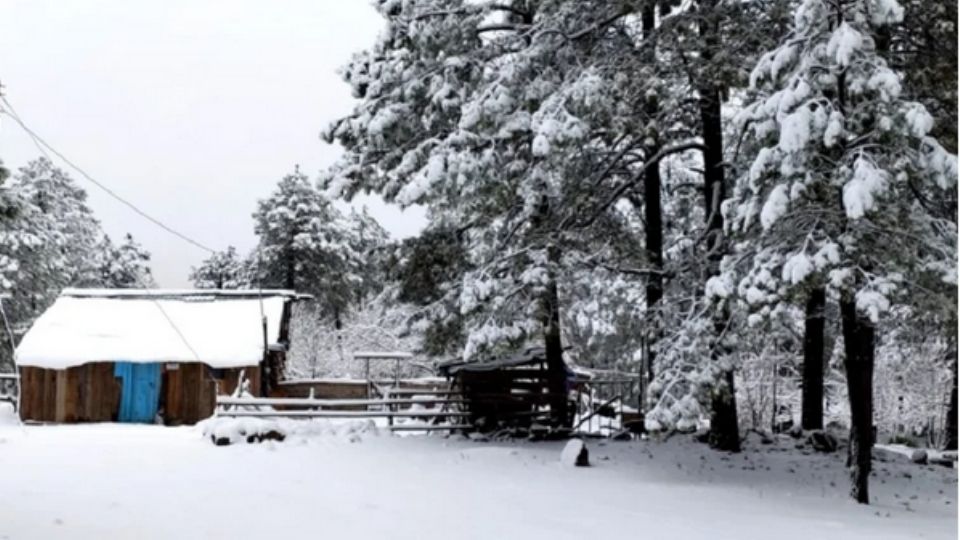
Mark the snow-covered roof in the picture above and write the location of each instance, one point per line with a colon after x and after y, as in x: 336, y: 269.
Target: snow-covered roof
x: 220, y: 328
x: 530, y: 355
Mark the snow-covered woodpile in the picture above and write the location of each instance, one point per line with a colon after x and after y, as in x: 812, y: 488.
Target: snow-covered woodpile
x: 513, y: 391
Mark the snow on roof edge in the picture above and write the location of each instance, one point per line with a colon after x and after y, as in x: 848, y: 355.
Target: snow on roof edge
x: 382, y: 355
x: 173, y: 293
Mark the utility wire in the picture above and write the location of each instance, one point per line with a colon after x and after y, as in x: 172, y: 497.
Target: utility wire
x: 166, y: 316
x: 43, y: 146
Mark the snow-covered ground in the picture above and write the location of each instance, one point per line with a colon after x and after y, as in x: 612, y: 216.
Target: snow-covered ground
x: 129, y: 481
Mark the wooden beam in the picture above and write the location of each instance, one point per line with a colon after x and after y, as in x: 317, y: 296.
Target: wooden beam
x: 321, y: 403
x: 341, y: 414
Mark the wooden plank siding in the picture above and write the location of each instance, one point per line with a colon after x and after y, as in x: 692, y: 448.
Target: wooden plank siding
x: 87, y: 393
x: 91, y: 393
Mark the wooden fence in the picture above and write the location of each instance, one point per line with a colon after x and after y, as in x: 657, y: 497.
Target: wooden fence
x: 9, y: 388
x: 438, y: 409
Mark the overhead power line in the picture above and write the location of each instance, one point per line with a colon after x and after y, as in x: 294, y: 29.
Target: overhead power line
x: 166, y: 316
x: 43, y: 146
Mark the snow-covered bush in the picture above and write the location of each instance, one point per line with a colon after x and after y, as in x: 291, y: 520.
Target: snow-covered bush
x: 319, y: 350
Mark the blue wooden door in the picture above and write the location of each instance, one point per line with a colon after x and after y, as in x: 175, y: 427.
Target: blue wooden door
x: 140, y: 391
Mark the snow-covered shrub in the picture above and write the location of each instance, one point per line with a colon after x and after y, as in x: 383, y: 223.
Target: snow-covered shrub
x: 224, y: 430
x: 320, y: 350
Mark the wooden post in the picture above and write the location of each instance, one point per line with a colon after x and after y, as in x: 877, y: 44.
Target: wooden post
x: 265, y: 379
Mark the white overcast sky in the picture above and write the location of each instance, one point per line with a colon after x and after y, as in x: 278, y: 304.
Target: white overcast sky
x: 193, y: 109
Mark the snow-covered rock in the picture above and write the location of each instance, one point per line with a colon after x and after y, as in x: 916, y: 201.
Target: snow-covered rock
x: 575, y: 454
x: 821, y: 441
x: 8, y: 416
x: 226, y: 431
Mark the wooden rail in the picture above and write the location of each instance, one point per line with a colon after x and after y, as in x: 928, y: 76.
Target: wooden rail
x: 427, y: 427
x: 415, y: 392
x: 325, y: 403
x: 342, y: 414
x: 389, y: 408
x: 9, y: 383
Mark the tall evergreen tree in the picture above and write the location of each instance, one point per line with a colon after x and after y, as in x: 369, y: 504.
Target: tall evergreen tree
x: 832, y: 196
x: 463, y: 111
x: 307, y: 245
x: 49, y: 243
x: 369, y: 241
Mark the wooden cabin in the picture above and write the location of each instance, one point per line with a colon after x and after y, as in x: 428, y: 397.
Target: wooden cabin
x: 134, y: 355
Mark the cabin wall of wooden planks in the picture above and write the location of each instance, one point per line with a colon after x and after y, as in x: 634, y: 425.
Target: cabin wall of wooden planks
x: 91, y: 393
x: 86, y: 393
x: 331, y: 389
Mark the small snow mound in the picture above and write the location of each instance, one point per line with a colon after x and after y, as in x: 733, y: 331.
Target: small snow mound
x: 8, y: 416
x: 575, y: 454
x: 919, y: 456
x: 225, y: 431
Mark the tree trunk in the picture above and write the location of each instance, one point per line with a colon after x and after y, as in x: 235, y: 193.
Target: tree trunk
x: 951, y: 442
x: 338, y: 327
x: 813, y: 348
x: 858, y: 339
x: 653, y: 213
x: 290, y: 279
x: 724, y: 427
x: 556, y: 368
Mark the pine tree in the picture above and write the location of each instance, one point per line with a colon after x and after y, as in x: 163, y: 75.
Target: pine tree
x: 307, y: 245
x: 428, y: 270
x: 48, y: 242
x: 221, y: 270
x: 701, y: 50
x: 124, y: 266
x: 462, y: 111
x: 369, y: 241
x: 924, y: 49
x: 833, y: 196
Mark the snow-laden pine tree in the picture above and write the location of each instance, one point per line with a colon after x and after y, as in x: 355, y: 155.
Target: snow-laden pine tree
x: 834, y: 197
x: 9, y: 205
x: 47, y: 243
x: 369, y: 241
x: 486, y: 113
x: 123, y: 266
x: 428, y: 270
x: 525, y: 125
x: 701, y: 49
x: 221, y: 270
x: 48, y: 240
x: 307, y: 245
x: 924, y: 49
